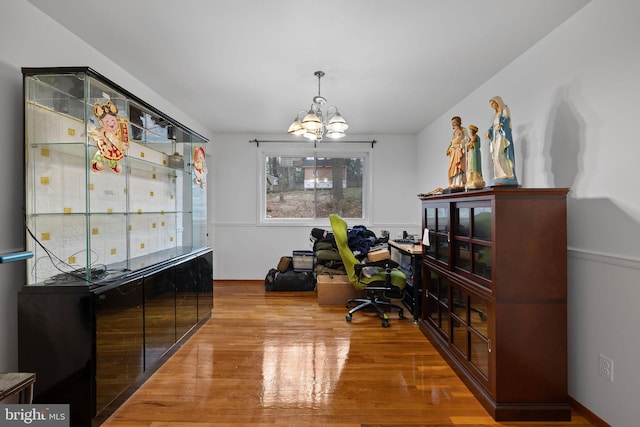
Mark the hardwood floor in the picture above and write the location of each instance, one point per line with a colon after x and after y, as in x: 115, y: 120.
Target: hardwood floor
x: 279, y: 358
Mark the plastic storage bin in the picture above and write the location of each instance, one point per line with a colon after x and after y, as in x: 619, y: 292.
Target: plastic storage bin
x: 303, y: 260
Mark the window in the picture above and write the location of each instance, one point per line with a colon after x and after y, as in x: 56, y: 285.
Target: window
x: 312, y: 186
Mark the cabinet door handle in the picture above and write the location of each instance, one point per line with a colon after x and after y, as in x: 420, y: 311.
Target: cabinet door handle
x: 448, y: 237
x: 489, y: 345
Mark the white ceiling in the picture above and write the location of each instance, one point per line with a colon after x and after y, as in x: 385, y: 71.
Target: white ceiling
x: 246, y: 66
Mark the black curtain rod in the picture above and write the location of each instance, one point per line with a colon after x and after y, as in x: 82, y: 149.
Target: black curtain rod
x: 372, y: 142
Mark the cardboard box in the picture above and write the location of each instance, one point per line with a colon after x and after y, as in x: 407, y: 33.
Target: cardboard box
x: 379, y: 255
x: 336, y: 290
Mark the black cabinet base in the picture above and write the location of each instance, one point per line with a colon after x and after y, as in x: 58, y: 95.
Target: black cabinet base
x: 92, y: 347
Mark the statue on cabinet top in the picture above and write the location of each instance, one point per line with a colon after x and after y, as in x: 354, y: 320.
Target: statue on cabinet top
x: 111, y: 138
x: 457, y: 156
x: 501, y: 145
x: 475, y: 181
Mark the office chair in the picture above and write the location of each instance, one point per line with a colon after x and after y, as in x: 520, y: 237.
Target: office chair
x: 381, y: 280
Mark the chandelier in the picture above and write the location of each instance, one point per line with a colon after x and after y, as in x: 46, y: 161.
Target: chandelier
x: 314, y: 124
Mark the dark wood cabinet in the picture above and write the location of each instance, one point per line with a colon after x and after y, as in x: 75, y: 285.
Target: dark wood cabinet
x: 90, y: 345
x: 409, y: 258
x: 495, y: 296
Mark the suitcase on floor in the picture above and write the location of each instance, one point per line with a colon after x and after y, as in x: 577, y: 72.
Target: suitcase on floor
x: 289, y: 280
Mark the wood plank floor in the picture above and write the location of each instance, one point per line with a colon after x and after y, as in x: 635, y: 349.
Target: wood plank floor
x: 266, y: 359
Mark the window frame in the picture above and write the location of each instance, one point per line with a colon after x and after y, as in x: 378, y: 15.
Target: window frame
x: 322, y: 150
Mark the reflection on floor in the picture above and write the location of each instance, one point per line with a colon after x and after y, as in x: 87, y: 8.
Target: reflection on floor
x: 279, y: 358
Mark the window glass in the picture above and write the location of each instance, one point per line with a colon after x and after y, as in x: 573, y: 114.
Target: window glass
x: 314, y: 186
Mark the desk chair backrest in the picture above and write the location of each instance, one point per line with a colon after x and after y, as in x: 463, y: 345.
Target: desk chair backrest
x: 339, y: 228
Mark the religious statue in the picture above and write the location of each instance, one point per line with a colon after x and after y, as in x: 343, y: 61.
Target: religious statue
x: 501, y: 148
x: 474, y: 161
x: 457, y: 156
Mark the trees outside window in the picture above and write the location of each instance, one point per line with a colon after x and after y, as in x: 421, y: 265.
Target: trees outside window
x: 313, y: 187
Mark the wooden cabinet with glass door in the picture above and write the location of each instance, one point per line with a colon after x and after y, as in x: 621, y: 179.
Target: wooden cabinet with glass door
x: 494, y: 300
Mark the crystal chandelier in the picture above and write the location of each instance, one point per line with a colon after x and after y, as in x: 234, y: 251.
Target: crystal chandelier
x: 314, y: 124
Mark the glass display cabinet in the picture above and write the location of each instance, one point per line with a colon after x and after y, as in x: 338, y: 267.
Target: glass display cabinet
x: 494, y: 274
x: 115, y: 215
x: 112, y: 185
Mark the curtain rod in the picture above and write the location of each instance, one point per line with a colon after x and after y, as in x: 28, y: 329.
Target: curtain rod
x: 372, y: 142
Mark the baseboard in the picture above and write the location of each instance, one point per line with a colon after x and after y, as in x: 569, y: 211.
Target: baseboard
x: 243, y: 281
x: 587, y: 414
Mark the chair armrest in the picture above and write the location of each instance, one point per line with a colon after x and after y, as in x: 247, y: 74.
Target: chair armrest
x: 385, y: 264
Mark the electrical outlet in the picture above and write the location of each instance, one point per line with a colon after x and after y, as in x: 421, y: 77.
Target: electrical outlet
x: 606, y: 367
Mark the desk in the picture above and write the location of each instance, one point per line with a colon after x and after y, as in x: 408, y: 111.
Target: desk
x: 17, y: 382
x: 410, y: 259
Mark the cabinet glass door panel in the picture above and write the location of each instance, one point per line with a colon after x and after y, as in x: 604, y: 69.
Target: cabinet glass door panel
x: 149, y: 127
x: 153, y: 188
x: 445, y: 323
x: 60, y: 94
x: 430, y: 219
x: 482, y: 223
x: 62, y: 235
x: 482, y: 261
x: 460, y: 336
x: 479, y: 354
x: 107, y: 192
x: 56, y: 175
x: 443, y: 291
x: 459, y: 333
x: 463, y: 222
x: 433, y: 283
x: 433, y: 310
x: 108, y: 241
x: 459, y: 303
x: 442, y: 225
x: 442, y: 249
x: 462, y: 255
x: 478, y: 315
x: 430, y: 249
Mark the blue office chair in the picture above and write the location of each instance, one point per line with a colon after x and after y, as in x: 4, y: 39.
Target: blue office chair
x: 382, y: 280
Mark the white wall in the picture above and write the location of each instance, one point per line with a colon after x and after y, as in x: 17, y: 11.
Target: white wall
x: 246, y: 249
x: 28, y: 38
x: 574, y: 105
